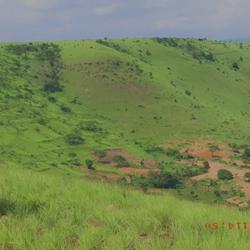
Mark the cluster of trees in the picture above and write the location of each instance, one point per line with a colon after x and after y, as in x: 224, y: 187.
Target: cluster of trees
x: 170, y: 152
x: 157, y: 180
x: 48, y: 52
x: 112, y: 45
x: 187, y: 45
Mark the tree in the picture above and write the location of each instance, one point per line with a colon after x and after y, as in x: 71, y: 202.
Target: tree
x: 89, y: 163
x: 224, y: 174
x: 235, y: 66
x: 74, y: 138
x: 163, y: 180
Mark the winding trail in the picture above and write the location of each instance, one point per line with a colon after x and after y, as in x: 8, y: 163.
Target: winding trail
x: 237, y: 173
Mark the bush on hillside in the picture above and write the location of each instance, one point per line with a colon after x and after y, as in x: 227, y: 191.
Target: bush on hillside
x: 163, y: 180
x: 120, y: 160
x: 52, y: 87
x: 187, y: 92
x: 246, y: 154
x: 89, y: 163
x: 65, y: 108
x: 224, y: 174
x: 154, y: 149
x: 6, y: 206
x: 91, y: 126
x: 74, y: 138
x: 235, y: 66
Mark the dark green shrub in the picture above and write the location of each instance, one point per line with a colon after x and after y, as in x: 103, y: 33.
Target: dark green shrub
x: 163, y: 180
x: 74, y: 138
x: 189, y: 171
x: 52, y: 87
x: 89, y: 163
x: 224, y: 174
x: 235, y: 66
x: 52, y: 99
x: 154, y: 149
x: 246, y: 154
x: 91, y: 127
x: 65, y: 108
x: 187, y: 92
x: 6, y: 206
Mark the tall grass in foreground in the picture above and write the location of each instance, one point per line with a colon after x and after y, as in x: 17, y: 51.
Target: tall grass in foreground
x: 43, y: 211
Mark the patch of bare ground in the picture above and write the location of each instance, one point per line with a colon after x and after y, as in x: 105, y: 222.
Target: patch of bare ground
x: 236, y: 201
x: 100, y: 175
x: 237, y: 173
x: 130, y: 162
x: 241, y: 163
x: 108, y: 156
x: 208, y: 149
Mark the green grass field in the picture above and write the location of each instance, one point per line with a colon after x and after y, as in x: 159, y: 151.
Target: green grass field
x: 63, y: 211
x: 61, y: 101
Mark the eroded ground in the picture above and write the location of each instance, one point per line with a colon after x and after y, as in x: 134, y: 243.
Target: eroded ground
x: 120, y: 164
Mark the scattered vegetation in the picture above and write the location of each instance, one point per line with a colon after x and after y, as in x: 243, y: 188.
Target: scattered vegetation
x: 247, y: 177
x: 246, y: 153
x: 121, y: 161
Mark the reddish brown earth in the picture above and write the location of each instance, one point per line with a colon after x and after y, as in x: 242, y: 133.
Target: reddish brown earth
x: 201, y: 150
x: 147, y: 166
x: 237, y: 173
x: 240, y: 163
x: 100, y: 175
x: 131, y: 158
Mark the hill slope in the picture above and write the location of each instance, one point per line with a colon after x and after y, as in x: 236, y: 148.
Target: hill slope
x: 157, y: 113
x: 119, y: 93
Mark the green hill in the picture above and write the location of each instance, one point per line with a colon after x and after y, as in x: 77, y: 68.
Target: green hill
x: 126, y: 110
x: 119, y: 93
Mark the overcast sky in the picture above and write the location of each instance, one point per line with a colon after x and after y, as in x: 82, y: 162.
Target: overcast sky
x: 26, y: 20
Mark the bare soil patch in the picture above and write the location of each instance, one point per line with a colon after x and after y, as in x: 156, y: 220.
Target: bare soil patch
x: 133, y: 160
x: 208, y: 149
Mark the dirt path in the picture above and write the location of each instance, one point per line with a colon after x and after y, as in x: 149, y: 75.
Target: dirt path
x: 237, y: 173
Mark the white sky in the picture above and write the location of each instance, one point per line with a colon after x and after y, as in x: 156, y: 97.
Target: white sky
x: 26, y: 20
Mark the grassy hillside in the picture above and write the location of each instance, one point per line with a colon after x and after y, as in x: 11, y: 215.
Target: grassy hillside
x: 119, y: 93
x: 149, y: 113
x: 59, y: 211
